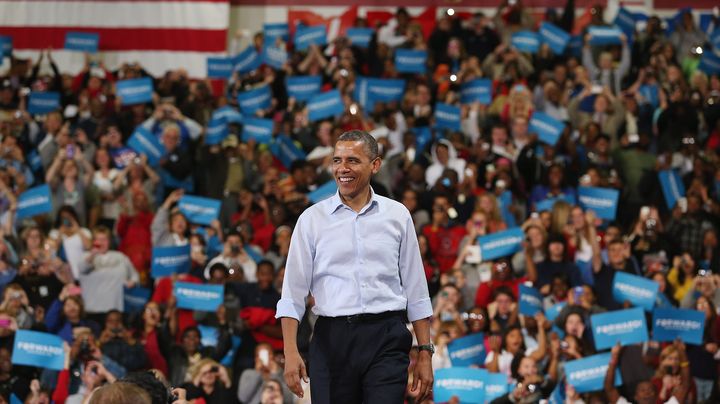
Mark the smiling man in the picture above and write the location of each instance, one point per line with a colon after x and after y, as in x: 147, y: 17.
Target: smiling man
x: 357, y: 254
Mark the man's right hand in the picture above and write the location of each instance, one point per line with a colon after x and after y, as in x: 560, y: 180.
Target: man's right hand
x: 294, y: 372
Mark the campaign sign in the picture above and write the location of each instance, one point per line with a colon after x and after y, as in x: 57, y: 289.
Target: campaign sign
x: 286, y: 151
x: 604, y: 35
x: 259, y: 129
x: 216, y: 131
x: 468, y: 384
x: 556, y: 38
x: 276, y: 30
x: 709, y: 62
x: 5, y: 46
x: 39, y: 349
x: 423, y: 137
x: 170, y: 260
x: 134, y: 299
x: 220, y: 67
x: 501, y: 244
x: 385, y: 90
x: 505, y: 201
x: 625, y: 326
x: 135, y: 91
x: 228, y: 114
x: 359, y: 37
x: 35, y: 201
x: 325, y: 105
x: 554, y: 311
x: 526, y: 41
x: 247, y: 60
x: 199, y: 210
x: 253, y: 100
x: 201, y: 297
x: 144, y: 142
x: 602, y: 201
x: 639, y: 291
x: 410, y: 61
x: 478, y: 90
x: 274, y: 57
x: 575, y: 45
x: 651, y: 94
x: 626, y: 21
x: 34, y: 161
x: 715, y: 38
x: 82, y: 41
x: 496, y: 385
x: 43, y: 102
x: 588, y: 374
x: 303, y: 88
x: 447, y: 116
x: 670, y: 324
x: 323, y: 192
x: 672, y: 187
x: 467, y: 351
x: 547, y: 128
x: 306, y: 36
x: 531, y: 301
x: 208, y: 335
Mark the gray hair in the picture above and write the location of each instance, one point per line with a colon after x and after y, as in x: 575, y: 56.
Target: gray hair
x: 369, y: 142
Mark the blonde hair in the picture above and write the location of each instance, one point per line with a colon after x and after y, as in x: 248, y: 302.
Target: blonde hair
x: 196, y: 368
x: 667, y: 351
x: 559, y: 216
x: 120, y: 393
x: 494, y: 215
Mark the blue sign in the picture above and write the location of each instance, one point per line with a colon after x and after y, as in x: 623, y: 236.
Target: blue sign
x: 134, y: 299
x: 34, y: 161
x: 201, y: 297
x: 247, y: 60
x: 468, y: 384
x: 467, y: 351
x: 35, y: 201
x: 144, y: 142
x: 670, y: 324
x: 554, y: 311
x: 253, y: 100
x: 38, y: 349
x: 6, y: 46
x: 505, y: 201
x: 447, y: 116
x: 602, y: 201
x: 651, y: 94
x: 478, y: 90
x: 199, y: 210
x: 501, y: 244
x: 306, y: 36
x: 228, y: 114
x: 82, y: 41
x: 208, y: 335
x: 276, y: 30
x: 575, y: 45
x: 323, y: 192
x: 410, y: 61
x: 43, y: 102
x: 369, y: 90
x: 526, y: 41
x: 275, y: 57
x: 709, y: 62
x: 672, y: 187
x: 604, y: 35
x: 220, y: 67
x: 259, y: 129
x: 547, y: 128
x: 556, y: 38
x: 715, y: 39
x: 588, y: 374
x: 135, y: 91
x: 170, y: 260
x: 303, y: 88
x: 325, y: 105
x: 216, y: 131
x: 639, y: 291
x: 286, y: 151
x: 423, y: 137
x: 531, y: 301
x: 359, y: 37
x: 625, y: 326
x: 626, y: 21
x: 496, y: 385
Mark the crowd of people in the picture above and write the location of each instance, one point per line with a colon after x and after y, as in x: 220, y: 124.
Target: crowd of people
x: 114, y: 205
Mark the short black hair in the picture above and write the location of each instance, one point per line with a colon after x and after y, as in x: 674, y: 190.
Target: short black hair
x: 149, y: 382
x: 371, y: 146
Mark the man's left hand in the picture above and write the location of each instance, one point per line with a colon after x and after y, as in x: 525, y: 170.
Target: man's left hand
x: 423, y: 376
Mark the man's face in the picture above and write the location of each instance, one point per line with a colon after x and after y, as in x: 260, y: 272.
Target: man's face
x: 520, y: 127
x: 191, y: 341
x: 265, y: 277
x: 645, y: 393
x: 616, y: 254
x: 353, y: 168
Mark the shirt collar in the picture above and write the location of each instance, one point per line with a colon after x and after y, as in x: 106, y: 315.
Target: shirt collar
x: 335, y: 202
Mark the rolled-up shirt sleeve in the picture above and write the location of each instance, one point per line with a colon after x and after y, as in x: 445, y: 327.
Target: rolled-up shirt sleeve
x: 412, y: 275
x: 298, y: 273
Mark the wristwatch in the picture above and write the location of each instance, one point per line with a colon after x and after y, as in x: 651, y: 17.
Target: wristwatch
x: 427, y: 347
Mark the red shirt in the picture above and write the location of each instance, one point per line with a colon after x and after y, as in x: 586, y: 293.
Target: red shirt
x: 444, y: 243
x: 483, y: 297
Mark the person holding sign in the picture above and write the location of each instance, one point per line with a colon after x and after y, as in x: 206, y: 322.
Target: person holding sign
x: 173, y: 233
x: 357, y: 253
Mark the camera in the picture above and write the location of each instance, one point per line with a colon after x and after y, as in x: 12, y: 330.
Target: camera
x: 172, y: 397
x: 214, y: 369
x: 705, y: 272
x: 85, y: 353
x: 137, y: 160
x: 235, y: 249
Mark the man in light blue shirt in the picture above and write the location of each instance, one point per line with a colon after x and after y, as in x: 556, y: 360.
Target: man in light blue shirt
x: 357, y: 253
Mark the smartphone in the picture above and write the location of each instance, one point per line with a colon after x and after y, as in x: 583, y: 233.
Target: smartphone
x: 682, y: 202
x: 596, y: 89
x: 579, y: 291
x: 5, y: 323
x: 264, y: 356
x: 633, y: 138
x: 644, y: 212
x: 70, y: 151
x: 74, y: 290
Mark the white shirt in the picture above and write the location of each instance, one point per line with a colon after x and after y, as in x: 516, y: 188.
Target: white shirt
x: 355, y: 263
